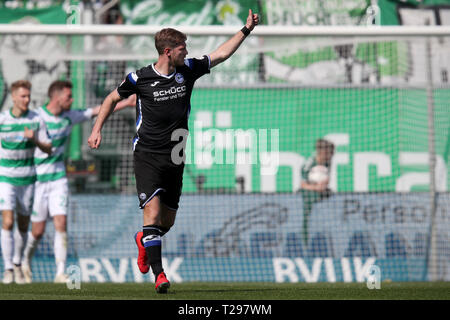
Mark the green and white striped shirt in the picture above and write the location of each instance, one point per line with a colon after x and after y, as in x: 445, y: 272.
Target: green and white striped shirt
x: 51, y: 168
x: 310, y: 163
x: 17, y: 152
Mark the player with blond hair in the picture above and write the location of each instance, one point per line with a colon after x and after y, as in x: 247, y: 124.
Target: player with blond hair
x: 21, y: 132
x: 51, y: 197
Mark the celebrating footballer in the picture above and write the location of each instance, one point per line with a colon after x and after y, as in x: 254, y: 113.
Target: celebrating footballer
x: 163, y: 90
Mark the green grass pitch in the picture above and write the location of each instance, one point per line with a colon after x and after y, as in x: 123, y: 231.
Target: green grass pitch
x: 229, y: 291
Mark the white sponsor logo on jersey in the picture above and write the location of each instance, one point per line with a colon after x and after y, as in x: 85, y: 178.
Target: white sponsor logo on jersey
x: 172, y: 90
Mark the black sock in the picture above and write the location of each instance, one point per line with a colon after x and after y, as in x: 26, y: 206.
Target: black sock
x: 152, y: 242
x: 164, y: 230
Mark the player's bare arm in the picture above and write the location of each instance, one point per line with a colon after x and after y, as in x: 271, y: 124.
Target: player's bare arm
x: 106, y: 109
x: 129, y: 102
x: 226, y: 50
x: 45, y: 147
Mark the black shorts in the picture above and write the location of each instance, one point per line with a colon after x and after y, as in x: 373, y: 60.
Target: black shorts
x: 156, y: 174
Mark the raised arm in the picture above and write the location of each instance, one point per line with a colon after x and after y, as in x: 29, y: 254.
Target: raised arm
x: 226, y: 50
x: 106, y: 109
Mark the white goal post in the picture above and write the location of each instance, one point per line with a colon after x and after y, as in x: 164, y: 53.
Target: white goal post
x: 312, y: 31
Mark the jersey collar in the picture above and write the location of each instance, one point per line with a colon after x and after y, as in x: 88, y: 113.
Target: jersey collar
x: 46, y: 110
x: 162, y: 75
x: 22, y: 116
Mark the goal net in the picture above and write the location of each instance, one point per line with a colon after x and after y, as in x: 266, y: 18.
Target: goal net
x: 248, y: 211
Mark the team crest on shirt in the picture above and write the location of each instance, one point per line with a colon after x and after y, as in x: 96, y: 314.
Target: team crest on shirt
x: 179, y: 78
x: 142, y: 196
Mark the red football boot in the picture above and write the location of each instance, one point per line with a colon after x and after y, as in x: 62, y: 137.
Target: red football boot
x: 162, y: 284
x: 142, y: 256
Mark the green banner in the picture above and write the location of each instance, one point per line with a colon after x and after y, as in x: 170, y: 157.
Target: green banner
x: 49, y: 15
x: 313, y: 13
x: 170, y: 12
x: 434, y: 10
x: 381, y: 138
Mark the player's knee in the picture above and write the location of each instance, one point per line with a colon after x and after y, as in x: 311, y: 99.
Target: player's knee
x: 7, y: 224
x: 60, y: 223
x: 38, y: 229
x: 37, y: 234
x: 7, y: 220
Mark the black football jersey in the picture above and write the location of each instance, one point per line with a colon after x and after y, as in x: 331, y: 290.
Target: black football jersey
x: 163, y: 102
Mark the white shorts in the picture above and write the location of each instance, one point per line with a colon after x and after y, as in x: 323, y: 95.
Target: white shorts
x: 51, y: 198
x: 16, y: 198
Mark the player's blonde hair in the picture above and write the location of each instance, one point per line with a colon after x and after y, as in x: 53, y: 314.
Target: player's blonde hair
x: 20, y: 84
